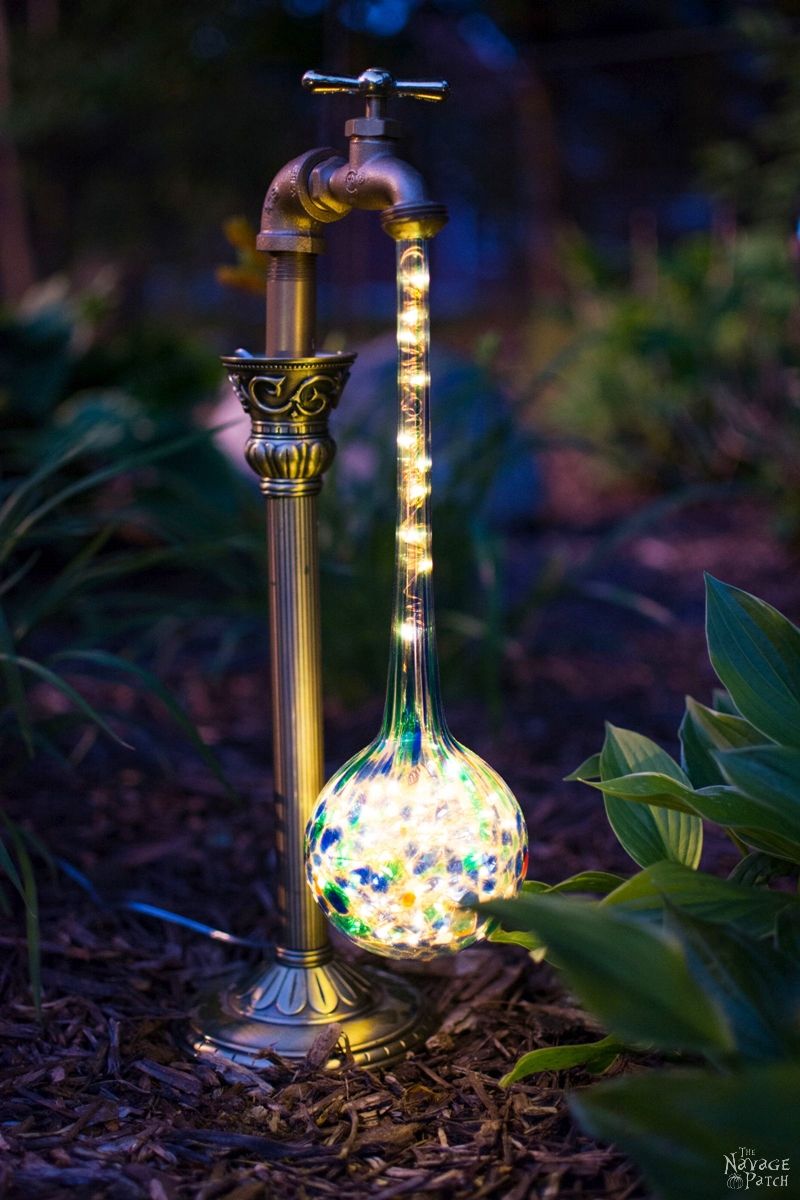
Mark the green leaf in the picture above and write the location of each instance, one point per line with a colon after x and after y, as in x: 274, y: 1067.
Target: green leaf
x: 680, y: 1127
x: 756, y: 985
x: 596, y: 1055
x: 9, y: 666
x: 653, y: 788
x: 589, y: 769
x: 647, y: 834
x: 632, y: 975
x: 516, y: 937
x: 587, y: 881
x: 757, y: 869
x: 721, y: 702
x: 706, y: 896
x: 755, y: 651
x: 153, y: 684
x: 755, y: 822
x: 8, y: 865
x: 703, y: 731
x: 67, y: 690
x: 31, y: 898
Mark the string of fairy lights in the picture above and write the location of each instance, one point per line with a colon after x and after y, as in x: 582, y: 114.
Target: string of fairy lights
x: 414, y: 463
x: 414, y: 826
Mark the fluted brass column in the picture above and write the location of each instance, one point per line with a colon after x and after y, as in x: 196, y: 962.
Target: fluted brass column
x: 284, y: 1004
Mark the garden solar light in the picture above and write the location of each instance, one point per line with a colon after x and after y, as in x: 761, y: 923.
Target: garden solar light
x: 414, y: 829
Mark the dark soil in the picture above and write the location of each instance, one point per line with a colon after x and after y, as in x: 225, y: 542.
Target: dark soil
x: 100, y: 1100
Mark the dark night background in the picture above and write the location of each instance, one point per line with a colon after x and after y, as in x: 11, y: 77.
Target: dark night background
x: 616, y: 408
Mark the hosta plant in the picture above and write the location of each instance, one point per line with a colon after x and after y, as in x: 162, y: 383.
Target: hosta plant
x: 676, y: 962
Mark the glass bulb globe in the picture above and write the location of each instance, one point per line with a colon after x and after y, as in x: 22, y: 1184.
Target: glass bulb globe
x: 400, y: 841
x: 415, y: 826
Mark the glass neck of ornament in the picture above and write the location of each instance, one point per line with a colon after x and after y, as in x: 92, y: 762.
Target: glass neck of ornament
x: 413, y: 705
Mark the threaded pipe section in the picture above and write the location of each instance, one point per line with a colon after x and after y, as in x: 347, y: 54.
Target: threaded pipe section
x: 291, y: 303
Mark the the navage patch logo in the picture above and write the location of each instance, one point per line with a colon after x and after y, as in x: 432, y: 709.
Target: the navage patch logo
x: 745, y: 1169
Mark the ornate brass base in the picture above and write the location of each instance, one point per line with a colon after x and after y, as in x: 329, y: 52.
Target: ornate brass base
x: 285, y: 1006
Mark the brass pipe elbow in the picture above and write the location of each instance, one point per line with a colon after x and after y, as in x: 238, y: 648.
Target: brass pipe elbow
x: 292, y: 219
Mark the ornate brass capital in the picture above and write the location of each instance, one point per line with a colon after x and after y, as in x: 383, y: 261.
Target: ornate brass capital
x: 288, y: 402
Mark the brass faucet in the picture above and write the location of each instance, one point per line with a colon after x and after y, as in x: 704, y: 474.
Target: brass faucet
x: 285, y: 1003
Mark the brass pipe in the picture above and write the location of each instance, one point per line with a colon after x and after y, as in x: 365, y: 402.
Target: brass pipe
x: 291, y: 304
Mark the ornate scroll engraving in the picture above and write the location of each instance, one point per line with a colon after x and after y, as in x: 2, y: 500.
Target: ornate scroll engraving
x: 288, y: 402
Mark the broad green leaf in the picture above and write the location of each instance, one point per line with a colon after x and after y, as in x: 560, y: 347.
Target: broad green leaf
x: 769, y: 774
x: 756, y: 985
x: 754, y: 822
x: 680, y: 1127
x: 757, y: 869
x: 703, y: 731
x: 589, y: 769
x: 649, y: 787
x: 647, y: 834
x: 632, y: 975
x: 721, y: 702
x: 706, y: 896
x: 588, y: 881
x: 597, y: 1055
x: 516, y: 937
x: 755, y: 651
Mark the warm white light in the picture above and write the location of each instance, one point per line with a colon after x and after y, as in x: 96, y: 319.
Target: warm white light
x: 423, y: 463
x: 410, y: 315
x: 425, y: 564
x: 417, y: 379
x: 406, y: 440
x: 415, y: 535
x: 408, y: 632
x: 416, y: 279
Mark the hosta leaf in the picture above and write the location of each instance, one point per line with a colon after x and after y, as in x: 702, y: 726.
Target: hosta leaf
x: 590, y: 769
x: 679, y: 1126
x: 755, y: 651
x: 756, y: 823
x: 632, y: 975
x: 705, y: 896
x: 757, y: 986
x: 757, y: 869
x: 516, y: 937
x: 721, y: 702
x: 596, y: 1055
x: 647, y: 834
x: 702, y: 732
x: 600, y: 882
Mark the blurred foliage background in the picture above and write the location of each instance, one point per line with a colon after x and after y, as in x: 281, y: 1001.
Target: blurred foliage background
x: 616, y: 287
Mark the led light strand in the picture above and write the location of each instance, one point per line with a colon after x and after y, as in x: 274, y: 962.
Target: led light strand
x: 414, y: 825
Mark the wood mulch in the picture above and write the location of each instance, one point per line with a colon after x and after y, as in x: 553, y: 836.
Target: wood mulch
x: 101, y: 1100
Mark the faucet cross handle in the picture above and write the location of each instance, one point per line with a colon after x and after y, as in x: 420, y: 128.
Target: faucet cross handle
x: 376, y: 86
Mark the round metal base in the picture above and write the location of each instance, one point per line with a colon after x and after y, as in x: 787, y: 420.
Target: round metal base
x: 284, y: 1006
